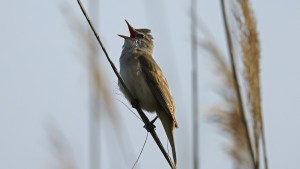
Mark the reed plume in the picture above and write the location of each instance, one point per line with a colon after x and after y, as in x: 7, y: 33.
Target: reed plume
x: 244, y: 124
x: 228, y: 115
x: 250, y: 54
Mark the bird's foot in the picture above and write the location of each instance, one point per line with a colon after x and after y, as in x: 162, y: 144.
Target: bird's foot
x: 134, y: 103
x: 150, y: 125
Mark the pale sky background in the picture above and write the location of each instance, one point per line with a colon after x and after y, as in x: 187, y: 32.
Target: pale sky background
x: 44, y: 81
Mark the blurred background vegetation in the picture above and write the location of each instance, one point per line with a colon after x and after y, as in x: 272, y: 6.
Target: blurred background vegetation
x: 231, y: 67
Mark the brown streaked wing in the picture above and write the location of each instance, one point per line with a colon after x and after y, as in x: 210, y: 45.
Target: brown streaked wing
x: 158, y: 85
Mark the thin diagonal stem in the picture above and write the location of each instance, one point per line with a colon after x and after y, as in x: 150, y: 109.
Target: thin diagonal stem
x: 150, y: 127
x: 137, y: 160
x: 236, y: 83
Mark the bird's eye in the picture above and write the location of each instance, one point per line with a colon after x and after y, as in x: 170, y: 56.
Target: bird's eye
x: 139, y: 35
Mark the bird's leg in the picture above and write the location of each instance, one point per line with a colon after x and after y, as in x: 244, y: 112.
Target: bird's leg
x: 154, y: 120
x: 151, y: 124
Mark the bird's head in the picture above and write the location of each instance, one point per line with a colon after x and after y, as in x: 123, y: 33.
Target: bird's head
x: 138, y: 39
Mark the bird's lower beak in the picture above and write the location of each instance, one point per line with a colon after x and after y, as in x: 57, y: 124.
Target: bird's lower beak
x: 132, y: 31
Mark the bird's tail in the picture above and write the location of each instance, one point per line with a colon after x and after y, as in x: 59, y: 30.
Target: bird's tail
x: 169, y: 126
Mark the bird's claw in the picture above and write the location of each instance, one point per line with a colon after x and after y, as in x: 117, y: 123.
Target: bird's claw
x: 150, y: 125
x: 135, y: 103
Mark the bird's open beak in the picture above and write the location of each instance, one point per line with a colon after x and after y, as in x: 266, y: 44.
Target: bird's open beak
x: 132, y: 31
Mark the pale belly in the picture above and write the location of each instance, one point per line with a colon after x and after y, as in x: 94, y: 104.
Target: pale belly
x: 137, y: 85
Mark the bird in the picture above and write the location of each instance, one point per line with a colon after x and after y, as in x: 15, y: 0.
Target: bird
x: 146, y: 81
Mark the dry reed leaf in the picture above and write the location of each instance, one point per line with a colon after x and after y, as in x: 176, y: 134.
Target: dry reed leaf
x: 62, y: 152
x: 99, y: 80
x: 97, y: 77
x: 228, y: 115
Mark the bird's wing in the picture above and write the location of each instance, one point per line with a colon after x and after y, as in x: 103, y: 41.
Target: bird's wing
x: 158, y: 85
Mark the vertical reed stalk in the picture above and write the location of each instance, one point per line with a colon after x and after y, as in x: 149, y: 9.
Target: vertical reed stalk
x: 94, y: 115
x: 195, y: 115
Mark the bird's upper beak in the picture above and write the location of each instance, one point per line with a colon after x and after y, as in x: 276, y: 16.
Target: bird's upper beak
x: 132, y: 31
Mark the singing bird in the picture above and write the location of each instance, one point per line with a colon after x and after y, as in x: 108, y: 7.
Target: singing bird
x: 146, y: 81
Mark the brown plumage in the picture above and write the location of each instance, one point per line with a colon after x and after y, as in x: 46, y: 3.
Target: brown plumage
x: 146, y: 81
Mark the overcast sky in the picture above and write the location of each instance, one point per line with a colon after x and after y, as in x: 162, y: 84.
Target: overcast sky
x: 44, y: 81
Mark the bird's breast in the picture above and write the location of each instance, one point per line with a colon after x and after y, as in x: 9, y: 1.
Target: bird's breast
x: 130, y: 70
